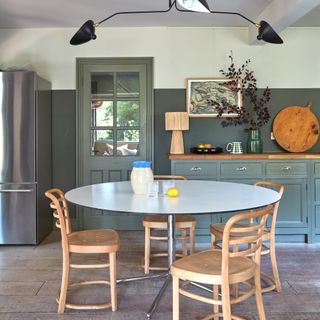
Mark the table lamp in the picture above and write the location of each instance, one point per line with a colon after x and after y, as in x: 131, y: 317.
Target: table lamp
x: 177, y: 121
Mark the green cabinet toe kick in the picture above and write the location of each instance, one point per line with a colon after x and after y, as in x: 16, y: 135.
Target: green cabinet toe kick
x: 299, y: 210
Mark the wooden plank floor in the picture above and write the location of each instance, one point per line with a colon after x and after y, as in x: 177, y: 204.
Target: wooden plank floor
x: 30, y: 277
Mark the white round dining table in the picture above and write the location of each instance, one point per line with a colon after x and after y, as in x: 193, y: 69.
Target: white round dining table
x: 195, y: 197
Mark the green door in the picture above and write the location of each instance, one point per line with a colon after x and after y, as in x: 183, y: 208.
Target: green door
x: 114, y: 128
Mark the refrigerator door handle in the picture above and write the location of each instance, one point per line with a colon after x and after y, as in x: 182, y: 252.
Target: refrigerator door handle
x: 15, y: 190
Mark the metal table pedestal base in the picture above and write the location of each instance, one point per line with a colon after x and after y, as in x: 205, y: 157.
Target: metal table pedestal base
x: 171, y: 257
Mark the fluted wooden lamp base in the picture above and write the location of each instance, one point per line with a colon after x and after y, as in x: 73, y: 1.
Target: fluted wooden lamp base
x: 177, y: 142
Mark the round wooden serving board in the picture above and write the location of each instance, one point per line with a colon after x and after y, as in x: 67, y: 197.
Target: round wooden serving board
x: 296, y: 128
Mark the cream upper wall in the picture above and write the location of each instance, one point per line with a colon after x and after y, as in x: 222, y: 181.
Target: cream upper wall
x: 178, y: 53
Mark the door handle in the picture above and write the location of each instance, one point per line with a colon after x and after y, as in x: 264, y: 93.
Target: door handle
x: 16, y: 190
x: 286, y: 168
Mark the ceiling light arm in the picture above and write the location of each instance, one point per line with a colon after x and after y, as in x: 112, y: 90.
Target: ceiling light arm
x: 237, y: 14
x: 265, y: 31
x: 171, y: 4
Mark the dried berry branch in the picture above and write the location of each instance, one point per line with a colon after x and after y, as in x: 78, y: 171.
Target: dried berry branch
x: 256, y: 114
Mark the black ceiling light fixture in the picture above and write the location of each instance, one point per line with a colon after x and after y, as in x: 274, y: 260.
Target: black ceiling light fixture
x: 265, y: 31
x: 195, y: 5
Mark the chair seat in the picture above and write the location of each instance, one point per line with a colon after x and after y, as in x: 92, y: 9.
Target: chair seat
x: 160, y: 221
x: 218, y: 229
x: 93, y: 241
x: 205, y: 267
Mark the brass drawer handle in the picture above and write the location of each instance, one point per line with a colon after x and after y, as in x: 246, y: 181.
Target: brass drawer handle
x: 286, y: 168
x: 195, y: 169
x: 241, y: 169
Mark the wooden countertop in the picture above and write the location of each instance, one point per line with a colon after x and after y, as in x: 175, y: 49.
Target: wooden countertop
x: 245, y: 156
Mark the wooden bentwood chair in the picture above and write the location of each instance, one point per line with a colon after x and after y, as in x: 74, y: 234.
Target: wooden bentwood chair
x: 104, y: 241
x: 185, y: 224
x: 222, y: 268
x: 268, y: 235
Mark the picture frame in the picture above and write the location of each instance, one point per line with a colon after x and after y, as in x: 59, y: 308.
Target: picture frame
x: 204, y: 93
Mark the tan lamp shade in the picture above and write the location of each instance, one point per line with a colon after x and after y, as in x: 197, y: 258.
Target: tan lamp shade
x: 177, y: 121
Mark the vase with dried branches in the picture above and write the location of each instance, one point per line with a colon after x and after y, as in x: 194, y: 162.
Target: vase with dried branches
x: 254, y: 113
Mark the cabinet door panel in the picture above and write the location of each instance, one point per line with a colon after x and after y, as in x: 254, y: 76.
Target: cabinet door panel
x: 317, y: 189
x: 293, y: 204
x: 203, y: 221
x: 317, y: 219
x: 317, y: 169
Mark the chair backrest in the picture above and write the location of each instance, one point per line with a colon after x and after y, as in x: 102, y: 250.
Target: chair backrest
x: 60, y: 212
x: 280, y: 189
x: 246, y: 237
x: 168, y: 177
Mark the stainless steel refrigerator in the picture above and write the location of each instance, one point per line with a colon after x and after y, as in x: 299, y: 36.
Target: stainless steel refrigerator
x: 25, y: 157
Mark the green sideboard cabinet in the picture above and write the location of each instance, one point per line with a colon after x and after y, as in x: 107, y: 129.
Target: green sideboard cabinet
x: 299, y: 211
x: 315, y: 191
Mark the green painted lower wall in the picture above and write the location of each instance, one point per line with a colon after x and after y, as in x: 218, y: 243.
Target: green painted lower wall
x: 64, y: 140
x: 201, y: 129
x: 209, y: 130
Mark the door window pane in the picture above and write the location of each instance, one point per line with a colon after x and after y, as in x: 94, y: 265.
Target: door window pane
x: 127, y: 142
x: 128, y: 84
x: 128, y: 113
x: 101, y: 142
x: 101, y: 113
x: 102, y: 84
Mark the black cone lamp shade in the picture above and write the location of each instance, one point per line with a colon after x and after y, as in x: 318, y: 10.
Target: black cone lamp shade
x: 84, y: 34
x: 267, y: 33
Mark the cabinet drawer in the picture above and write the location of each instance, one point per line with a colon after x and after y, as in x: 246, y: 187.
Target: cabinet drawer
x: 195, y: 169
x: 317, y: 189
x: 286, y: 169
x: 317, y: 169
x: 241, y: 169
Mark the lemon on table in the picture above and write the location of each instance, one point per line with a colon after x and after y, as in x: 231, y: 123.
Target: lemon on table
x: 172, y: 192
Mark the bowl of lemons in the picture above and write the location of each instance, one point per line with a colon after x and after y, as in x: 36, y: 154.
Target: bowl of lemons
x: 205, y: 148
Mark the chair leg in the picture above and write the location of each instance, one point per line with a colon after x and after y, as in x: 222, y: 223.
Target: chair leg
x: 64, y: 283
x: 175, y: 298
x: 235, y: 290
x: 113, y: 282
x: 184, y: 242
x: 216, y: 297
x: 213, y: 240
x: 192, y: 240
x: 226, y: 305
x: 258, y: 293
x: 274, y: 265
x: 146, y: 250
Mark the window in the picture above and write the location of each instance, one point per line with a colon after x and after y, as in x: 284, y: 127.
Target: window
x: 115, y: 113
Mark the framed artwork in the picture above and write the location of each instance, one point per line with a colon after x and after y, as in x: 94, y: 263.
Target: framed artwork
x: 204, y: 95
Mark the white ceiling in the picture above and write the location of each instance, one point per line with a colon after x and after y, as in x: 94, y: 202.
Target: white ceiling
x: 311, y: 19
x: 73, y: 13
